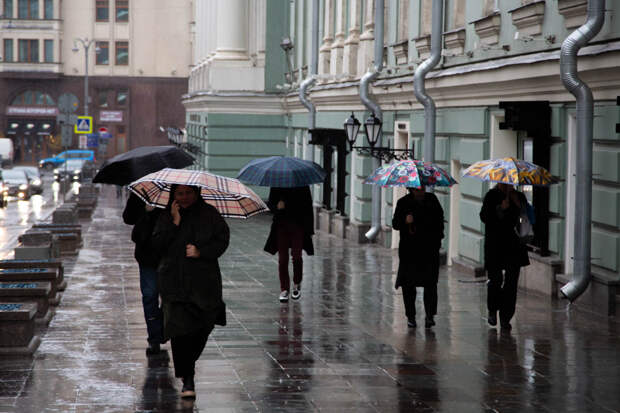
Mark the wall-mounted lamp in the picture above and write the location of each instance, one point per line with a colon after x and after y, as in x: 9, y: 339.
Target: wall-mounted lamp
x: 373, y: 128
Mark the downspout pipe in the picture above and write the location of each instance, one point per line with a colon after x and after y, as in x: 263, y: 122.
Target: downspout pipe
x: 585, y: 111
x: 367, y: 79
x: 419, y: 80
x: 314, y: 63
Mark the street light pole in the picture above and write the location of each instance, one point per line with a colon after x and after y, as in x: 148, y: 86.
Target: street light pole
x: 85, y: 45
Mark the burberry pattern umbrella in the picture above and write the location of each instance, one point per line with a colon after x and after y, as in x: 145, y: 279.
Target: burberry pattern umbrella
x: 510, y: 171
x: 281, y: 172
x: 229, y: 196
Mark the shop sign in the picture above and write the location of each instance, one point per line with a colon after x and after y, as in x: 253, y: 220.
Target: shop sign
x: 31, y: 110
x: 110, y: 116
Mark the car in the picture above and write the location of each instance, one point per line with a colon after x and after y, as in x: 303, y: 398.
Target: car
x: 4, y: 196
x: 34, y: 176
x: 58, y: 160
x: 75, y: 170
x: 16, y: 183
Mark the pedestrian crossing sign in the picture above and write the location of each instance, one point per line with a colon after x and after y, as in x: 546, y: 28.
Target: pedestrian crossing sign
x: 84, y: 124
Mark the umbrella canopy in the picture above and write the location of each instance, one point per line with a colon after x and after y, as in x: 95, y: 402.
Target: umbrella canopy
x: 229, y: 196
x: 411, y: 173
x: 510, y: 171
x: 282, y: 172
x: 134, y: 164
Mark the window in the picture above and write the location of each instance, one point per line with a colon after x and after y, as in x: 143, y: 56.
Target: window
x: 103, y: 10
x: 48, y: 51
x: 33, y: 97
x: 102, y: 53
x: 49, y: 9
x: 8, y: 50
x: 122, y: 53
x: 102, y: 98
x: 29, y: 51
x: 28, y: 9
x: 121, y: 97
x: 122, y: 10
x: 8, y: 9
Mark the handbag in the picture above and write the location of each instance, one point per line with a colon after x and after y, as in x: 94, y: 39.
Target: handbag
x: 525, y: 227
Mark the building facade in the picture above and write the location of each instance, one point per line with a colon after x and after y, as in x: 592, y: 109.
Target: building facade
x: 137, y: 54
x: 497, y: 89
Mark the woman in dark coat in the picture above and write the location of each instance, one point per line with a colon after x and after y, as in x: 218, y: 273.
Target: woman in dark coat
x: 419, y: 218
x: 190, y: 236
x: 503, y: 251
x: 143, y: 219
x: 292, y: 227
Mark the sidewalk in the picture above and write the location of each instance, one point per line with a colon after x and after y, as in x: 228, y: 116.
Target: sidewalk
x: 344, y: 347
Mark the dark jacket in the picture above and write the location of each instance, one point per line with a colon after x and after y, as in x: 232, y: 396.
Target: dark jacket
x: 502, y: 247
x: 298, y: 209
x: 143, y: 223
x: 191, y: 288
x: 418, y: 250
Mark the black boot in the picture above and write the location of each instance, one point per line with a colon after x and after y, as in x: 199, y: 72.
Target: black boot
x: 188, y: 391
x: 153, y: 349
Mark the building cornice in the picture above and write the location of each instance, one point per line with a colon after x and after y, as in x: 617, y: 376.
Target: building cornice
x: 235, y: 102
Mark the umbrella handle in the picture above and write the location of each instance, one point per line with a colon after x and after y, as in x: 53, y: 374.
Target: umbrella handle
x: 145, y: 195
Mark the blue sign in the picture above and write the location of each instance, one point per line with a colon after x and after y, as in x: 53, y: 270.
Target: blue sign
x: 92, y: 140
x: 104, y: 135
x: 84, y: 124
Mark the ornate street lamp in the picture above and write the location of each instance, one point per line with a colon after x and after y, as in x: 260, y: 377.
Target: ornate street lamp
x: 372, y: 127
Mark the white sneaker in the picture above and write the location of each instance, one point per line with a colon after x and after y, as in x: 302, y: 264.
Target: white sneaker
x: 296, y: 292
x: 284, y: 296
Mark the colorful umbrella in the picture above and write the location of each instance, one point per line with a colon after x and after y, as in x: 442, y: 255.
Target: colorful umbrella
x: 510, y: 171
x: 281, y: 172
x: 229, y: 196
x: 411, y: 173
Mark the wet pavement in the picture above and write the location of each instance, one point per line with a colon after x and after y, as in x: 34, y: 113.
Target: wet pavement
x: 344, y: 347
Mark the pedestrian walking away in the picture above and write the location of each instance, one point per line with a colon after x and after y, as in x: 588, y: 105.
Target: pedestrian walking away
x: 419, y: 219
x: 143, y: 218
x: 292, y: 228
x: 504, y: 253
x: 190, y: 236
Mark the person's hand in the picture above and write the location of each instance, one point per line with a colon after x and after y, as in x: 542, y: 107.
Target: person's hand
x: 409, y: 219
x: 174, y: 211
x: 191, y: 251
x: 148, y: 208
x: 280, y: 205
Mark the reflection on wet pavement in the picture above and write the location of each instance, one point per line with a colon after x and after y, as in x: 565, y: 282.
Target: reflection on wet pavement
x: 344, y: 347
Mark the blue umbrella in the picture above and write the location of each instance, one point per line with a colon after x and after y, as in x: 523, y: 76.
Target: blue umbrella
x: 281, y: 172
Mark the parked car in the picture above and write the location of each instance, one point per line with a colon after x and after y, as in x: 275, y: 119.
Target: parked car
x: 4, y: 196
x: 16, y: 183
x: 34, y: 176
x: 6, y: 152
x: 75, y: 170
x: 58, y: 160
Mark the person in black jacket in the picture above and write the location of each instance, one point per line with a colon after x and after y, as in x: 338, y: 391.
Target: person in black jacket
x: 292, y: 228
x: 419, y: 219
x: 190, y: 236
x: 504, y: 254
x: 143, y: 218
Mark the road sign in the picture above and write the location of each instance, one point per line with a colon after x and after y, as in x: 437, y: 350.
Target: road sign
x: 103, y: 129
x: 84, y: 124
x: 68, y: 102
x: 83, y: 141
x: 93, y: 140
x: 68, y: 118
x: 66, y: 134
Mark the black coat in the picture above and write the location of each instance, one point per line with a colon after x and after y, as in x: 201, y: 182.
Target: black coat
x: 297, y: 209
x: 191, y: 288
x: 418, y: 250
x: 143, y: 224
x: 502, y: 247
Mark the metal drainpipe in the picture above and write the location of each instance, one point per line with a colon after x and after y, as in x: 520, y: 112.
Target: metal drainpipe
x: 376, y: 110
x: 307, y: 83
x: 585, y: 109
x: 419, y: 79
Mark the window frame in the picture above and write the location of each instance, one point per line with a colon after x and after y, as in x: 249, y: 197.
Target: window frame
x: 48, y: 57
x: 102, y: 45
x: 7, y: 9
x: 48, y: 5
x: 120, y: 91
x: 29, y: 52
x: 32, y: 9
x: 8, y: 58
x: 120, y: 5
x: 119, y: 46
x: 102, y: 5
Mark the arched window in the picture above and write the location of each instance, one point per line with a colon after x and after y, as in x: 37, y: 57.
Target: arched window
x: 33, y: 98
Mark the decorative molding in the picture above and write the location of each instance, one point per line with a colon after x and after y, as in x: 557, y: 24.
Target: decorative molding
x: 528, y: 19
x: 454, y: 41
x: 423, y: 46
x: 573, y: 11
x: 487, y: 28
x: 401, y: 50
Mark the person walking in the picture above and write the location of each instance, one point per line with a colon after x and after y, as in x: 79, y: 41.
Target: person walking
x: 292, y: 228
x: 190, y: 236
x: 143, y: 218
x: 419, y: 219
x: 504, y: 253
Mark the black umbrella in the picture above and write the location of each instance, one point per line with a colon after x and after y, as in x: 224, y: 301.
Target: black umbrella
x: 134, y: 164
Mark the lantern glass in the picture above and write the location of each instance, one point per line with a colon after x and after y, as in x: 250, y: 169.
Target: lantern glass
x: 373, y: 129
x: 352, y: 127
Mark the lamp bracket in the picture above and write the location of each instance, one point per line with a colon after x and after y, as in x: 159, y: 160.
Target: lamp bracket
x: 384, y: 153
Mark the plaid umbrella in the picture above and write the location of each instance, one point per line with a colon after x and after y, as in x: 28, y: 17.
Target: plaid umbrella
x: 281, y: 172
x: 229, y: 196
x: 410, y: 173
x: 510, y: 171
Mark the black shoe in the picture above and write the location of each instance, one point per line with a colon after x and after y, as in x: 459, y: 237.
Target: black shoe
x: 411, y: 323
x: 429, y: 322
x: 153, y: 349
x: 492, y: 319
x: 506, y: 325
x: 188, y: 391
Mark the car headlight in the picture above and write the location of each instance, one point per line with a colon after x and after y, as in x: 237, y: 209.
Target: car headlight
x: 23, y: 187
x: 76, y: 171
x: 56, y: 171
x: 36, y: 182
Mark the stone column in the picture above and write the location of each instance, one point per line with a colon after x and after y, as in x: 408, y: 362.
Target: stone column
x: 338, y: 45
x: 366, y: 50
x: 351, y: 44
x: 232, y: 30
x: 328, y: 38
x: 261, y: 24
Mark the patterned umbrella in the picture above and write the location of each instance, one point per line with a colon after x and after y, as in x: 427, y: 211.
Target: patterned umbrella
x: 410, y: 173
x: 510, y: 171
x: 281, y: 172
x: 229, y: 196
